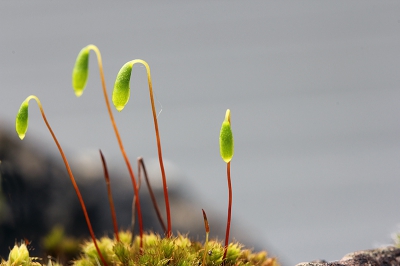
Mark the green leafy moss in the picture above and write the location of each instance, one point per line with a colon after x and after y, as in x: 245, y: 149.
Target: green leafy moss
x: 19, y: 255
x: 174, y: 251
x: 179, y: 250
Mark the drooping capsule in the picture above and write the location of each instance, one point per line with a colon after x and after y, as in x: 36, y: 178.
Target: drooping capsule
x: 21, y: 121
x: 80, y: 72
x: 121, y: 92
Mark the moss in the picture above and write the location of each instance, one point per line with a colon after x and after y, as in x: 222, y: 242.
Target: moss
x: 174, y: 251
x: 19, y: 255
x: 179, y: 250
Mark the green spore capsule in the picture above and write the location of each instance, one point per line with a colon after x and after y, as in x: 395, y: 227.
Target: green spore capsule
x: 80, y: 72
x: 121, y: 92
x: 21, y: 122
x: 226, y: 138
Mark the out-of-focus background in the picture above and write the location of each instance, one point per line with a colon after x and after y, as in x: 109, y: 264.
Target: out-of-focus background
x: 313, y: 87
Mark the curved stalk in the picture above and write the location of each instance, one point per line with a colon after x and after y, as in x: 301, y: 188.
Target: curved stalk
x: 120, y: 98
x: 121, y: 146
x: 71, y: 176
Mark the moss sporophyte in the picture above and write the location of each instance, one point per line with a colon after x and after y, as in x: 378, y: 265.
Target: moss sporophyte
x: 146, y: 248
x: 226, y: 150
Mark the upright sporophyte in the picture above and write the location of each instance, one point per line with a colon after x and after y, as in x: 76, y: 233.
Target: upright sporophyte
x: 226, y: 148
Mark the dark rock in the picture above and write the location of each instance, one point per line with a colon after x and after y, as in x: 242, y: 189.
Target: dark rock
x: 386, y: 256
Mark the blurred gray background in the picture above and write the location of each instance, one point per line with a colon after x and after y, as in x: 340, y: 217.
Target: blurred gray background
x: 313, y: 87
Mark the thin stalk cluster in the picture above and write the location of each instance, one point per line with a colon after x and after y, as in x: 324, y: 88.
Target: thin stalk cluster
x: 79, y: 79
x: 120, y: 97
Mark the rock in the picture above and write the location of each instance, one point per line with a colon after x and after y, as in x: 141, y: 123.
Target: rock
x: 386, y: 256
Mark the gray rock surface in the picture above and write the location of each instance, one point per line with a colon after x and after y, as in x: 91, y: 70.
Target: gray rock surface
x: 389, y: 256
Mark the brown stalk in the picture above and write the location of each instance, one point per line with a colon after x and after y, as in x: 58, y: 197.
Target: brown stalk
x: 153, y: 108
x: 121, y: 146
x: 71, y: 176
x: 228, y: 223
x: 110, y: 198
x: 153, y: 198
x: 207, y: 228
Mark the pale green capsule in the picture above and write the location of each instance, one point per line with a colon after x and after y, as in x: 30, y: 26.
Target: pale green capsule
x: 80, y: 72
x: 21, y: 122
x: 226, y: 146
x: 121, y: 92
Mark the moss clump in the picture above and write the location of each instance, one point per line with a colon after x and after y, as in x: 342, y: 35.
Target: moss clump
x: 19, y: 256
x: 179, y: 251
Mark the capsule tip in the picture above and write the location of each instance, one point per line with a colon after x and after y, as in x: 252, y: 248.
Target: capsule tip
x: 78, y: 93
x: 119, y: 108
x: 228, y: 115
